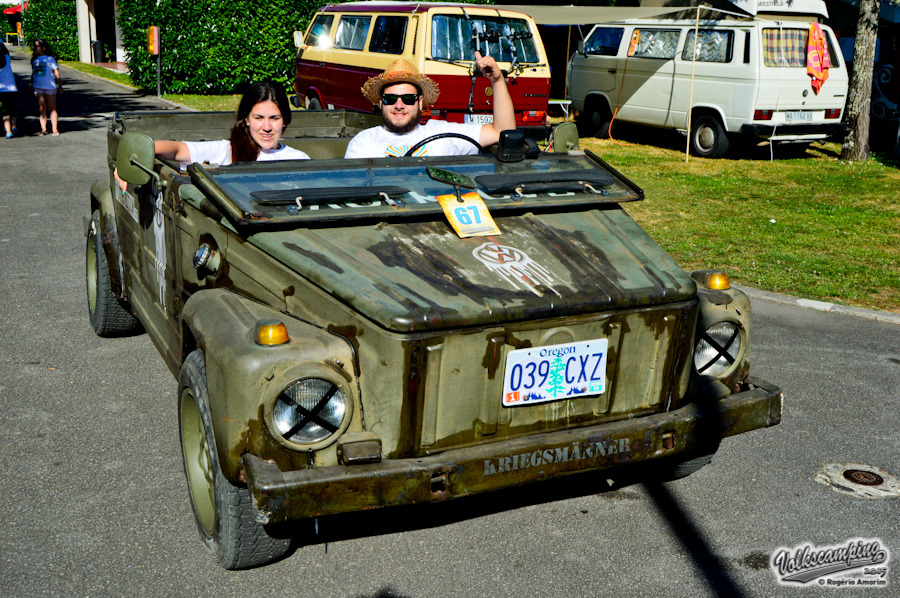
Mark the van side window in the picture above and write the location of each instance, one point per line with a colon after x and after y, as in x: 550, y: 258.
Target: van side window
x: 451, y: 38
x: 785, y: 47
x: 604, y: 41
x: 655, y: 43
x: 319, y: 35
x: 352, y: 32
x: 388, y: 35
x: 712, y: 46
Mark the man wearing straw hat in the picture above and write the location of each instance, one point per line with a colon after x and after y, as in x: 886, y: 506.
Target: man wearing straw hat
x: 402, y: 92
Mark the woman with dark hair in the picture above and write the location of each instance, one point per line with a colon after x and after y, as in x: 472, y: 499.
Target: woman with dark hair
x: 8, y: 93
x: 262, y: 117
x: 47, y: 84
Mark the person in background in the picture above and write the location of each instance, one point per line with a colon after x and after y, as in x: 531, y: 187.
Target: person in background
x: 262, y: 116
x: 401, y: 93
x: 46, y: 83
x: 9, y: 93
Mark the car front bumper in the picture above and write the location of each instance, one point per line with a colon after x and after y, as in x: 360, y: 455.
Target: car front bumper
x: 281, y: 496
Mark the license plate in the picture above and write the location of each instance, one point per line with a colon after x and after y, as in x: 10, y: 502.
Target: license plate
x: 555, y: 372
x: 799, y: 115
x: 480, y: 119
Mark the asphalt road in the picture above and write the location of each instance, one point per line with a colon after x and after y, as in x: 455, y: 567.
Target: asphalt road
x: 94, y: 502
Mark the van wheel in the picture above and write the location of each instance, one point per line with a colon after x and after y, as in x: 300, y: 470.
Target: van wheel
x: 224, y: 512
x: 108, y: 316
x: 594, y: 123
x: 708, y: 138
x: 314, y: 104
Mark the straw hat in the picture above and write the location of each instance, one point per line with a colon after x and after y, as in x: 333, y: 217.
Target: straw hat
x: 401, y: 71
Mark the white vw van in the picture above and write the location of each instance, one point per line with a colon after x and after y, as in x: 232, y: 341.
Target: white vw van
x: 750, y: 79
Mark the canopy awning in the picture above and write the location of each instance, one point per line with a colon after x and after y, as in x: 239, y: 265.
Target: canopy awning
x: 588, y: 15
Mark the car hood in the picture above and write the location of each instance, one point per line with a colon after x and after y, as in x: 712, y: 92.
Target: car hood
x: 417, y: 276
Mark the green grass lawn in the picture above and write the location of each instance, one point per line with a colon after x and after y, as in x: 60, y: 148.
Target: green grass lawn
x: 803, y: 223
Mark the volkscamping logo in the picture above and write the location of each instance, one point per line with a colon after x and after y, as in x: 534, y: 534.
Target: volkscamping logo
x: 866, y: 558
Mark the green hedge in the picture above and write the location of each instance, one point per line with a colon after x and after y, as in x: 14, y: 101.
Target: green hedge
x: 213, y: 46
x: 55, y: 22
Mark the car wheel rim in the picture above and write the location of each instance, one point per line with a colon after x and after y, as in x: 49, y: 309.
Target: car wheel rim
x: 705, y: 138
x: 197, y: 463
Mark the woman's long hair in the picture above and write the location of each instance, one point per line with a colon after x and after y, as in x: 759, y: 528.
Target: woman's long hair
x: 243, y: 148
x: 44, y: 46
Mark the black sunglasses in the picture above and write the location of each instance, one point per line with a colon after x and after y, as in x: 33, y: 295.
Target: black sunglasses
x: 390, y: 99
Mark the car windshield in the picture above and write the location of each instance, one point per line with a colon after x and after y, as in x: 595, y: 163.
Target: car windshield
x: 294, y: 191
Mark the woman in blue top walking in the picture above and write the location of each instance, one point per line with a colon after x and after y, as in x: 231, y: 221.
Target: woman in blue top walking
x: 47, y: 84
x: 8, y: 93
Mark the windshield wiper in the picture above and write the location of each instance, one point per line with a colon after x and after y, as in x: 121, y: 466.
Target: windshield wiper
x: 319, y: 196
x: 551, y: 181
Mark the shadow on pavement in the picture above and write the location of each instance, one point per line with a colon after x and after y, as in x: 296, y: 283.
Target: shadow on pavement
x: 86, y: 102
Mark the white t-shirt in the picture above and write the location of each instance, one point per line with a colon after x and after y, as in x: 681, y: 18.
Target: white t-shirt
x: 219, y: 152
x: 7, y: 79
x: 378, y: 142
x: 42, y: 68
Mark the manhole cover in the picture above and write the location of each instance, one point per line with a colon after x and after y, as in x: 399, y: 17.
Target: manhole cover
x: 861, y: 481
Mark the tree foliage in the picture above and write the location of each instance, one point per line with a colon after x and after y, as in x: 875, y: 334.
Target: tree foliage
x: 55, y: 22
x: 213, y: 46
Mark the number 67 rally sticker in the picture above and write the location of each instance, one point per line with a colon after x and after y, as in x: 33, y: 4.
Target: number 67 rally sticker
x: 469, y: 217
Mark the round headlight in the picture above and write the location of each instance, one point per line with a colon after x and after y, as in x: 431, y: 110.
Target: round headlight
x: 309, y: 410
x: 717, y: 349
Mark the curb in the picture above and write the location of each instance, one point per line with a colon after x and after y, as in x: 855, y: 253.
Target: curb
x: 869, y: 314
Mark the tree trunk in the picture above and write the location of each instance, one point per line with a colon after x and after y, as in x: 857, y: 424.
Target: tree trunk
x: 856, y: 140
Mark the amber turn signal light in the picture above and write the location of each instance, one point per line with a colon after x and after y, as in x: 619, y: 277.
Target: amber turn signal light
x: 271, y: 332
x: 718, y: 281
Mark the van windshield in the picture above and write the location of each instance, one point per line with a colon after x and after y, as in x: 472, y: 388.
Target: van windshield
x: 452, y: 36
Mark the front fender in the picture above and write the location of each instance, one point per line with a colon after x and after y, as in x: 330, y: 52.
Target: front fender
x: 102, y: 200
x: 244, y: 378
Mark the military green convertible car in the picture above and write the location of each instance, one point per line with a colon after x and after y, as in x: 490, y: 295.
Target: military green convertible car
x: 351, y: 334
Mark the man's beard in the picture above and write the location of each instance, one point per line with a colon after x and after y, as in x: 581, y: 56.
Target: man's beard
x: 408, y: 127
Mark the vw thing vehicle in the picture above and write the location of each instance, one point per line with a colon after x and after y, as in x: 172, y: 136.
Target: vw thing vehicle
x: 351, y: 334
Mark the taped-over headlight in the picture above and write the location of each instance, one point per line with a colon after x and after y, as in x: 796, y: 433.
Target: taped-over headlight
x: 309, y: 410
x: 717, y: 349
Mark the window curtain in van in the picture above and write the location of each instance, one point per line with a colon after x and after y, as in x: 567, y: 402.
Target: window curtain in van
x: 785, y: 47
x: 712, y: 46
x: 817, y: 59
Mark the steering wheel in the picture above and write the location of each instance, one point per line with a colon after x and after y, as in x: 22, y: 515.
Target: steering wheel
x: 431, y: 138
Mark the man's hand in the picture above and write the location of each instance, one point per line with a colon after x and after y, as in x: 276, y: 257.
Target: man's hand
x: 488, y: 67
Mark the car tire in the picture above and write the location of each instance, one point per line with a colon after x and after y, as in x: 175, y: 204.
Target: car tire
x: 594, y: 123
x: 685, y: 465
x: 224, y: 512
x: 708, y: 137
x: 314, y: 104
x: 108, y: 316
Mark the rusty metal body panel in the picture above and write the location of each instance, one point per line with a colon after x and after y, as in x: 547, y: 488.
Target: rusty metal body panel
x: 417, y: 331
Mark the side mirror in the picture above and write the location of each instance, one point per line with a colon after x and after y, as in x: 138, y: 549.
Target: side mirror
x: 135, y: 158
x: 565, y: 137
x: 298, y: 39
x: 581, y: 47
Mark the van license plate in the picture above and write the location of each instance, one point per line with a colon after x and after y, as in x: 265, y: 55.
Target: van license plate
x: 479, y: 119
x: 555, y: 372
x: 799, y: 115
